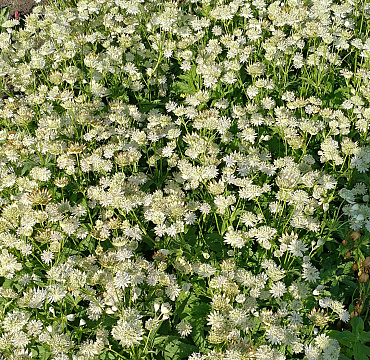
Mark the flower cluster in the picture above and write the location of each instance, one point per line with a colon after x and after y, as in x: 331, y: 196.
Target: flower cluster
x: 172, y: 175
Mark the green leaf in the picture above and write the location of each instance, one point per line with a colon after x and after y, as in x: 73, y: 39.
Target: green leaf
x: 199, y: 338
x: 4, y: 14
x: 357, y: 325
x: 347, y: 269
x: 345, y: 338
x: 361, y: 352
x: 7, y: 284
x: 199, y: 312
x: 214, y: 241
x: 343, y: 357
x: 43, y: 354
x: 107, y: 356
x: 176, y: 349
x: 186, y: 304
x: 365, y: 337
x: 27, y: 165
x: 179, y: 87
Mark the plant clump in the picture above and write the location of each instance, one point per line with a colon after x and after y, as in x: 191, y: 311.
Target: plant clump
x: 184, y: 179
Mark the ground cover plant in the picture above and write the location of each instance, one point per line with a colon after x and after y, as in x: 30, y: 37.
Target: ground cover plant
x: 185, y: 180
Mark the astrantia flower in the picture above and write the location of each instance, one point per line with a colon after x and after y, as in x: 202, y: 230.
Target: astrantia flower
x: 318, y: 317
x: 15, y: 321
x: 310, y: 273
x: 47, y: 256
x: 235, y: 238
x: 264, y: 352
x: 249, y: 219
x: 184, y: 328
x: 40, y: 174
x: 56, y: 292
x: 39, y: 197
x: 256, y: 69
x: 173, y: 291
x: 128, y: 331
x: 205, y: 208
x: 344, y: 316
x: 322, y: 341
x: 299, y: 290
x: 20, y: 339
x: 95, y: 309
x: 34, y: 327
x: 331, y: 352
x: 295, y: 318
x: 274, y: 272
x: 297, y: 248
x: 278, y: 289
x: 204, y: 270
x: 275, y: 335
x: 215, y: 319
x: 220, y: 302
x: 336, y: 306
x: 121, y: 280
x: 312, y: 352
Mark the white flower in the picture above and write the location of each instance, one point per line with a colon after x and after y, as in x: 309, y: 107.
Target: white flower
x: 184, y: 328
x: 297, y: 248
x: 40, y: 174
x: 20, y: 339
x: 128, y: 333
x: 312, y: 352
x: 325, y: 302
x: 47, y: 256
x: 295, y: 318
x: 344, y: 316
x: 310, y: 273
x: 122, y: 280
x: 165, y: 310
x: 235, y: 238
x: 278, y: 289
x: 55, y: 292
x: 275, y: 335
x: 215, y: 319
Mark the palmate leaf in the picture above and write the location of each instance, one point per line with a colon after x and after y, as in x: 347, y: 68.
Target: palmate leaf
x: 186, y: 304
x: 361, y: 352
x: 365, y: 337
x: 180, y: 87
x: 42, y: 353
x: 346, y: 338
x: 107, y: 356
x: 199, y: 338
x: 343, y: 357
x: 176, y: 349
x: 214, y: 241
x: 357, y: 326
x: 4, y: 14
x: 186, y: 86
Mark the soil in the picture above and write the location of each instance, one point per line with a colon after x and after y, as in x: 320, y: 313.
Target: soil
x: 23, y: 7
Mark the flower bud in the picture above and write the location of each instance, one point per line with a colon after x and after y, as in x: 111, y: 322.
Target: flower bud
x: 355, y: 235
x: 344, y: 242
x: 358, y: 308
x: 354, y: 266
x: 348, y: 255
x: 363, y: 278
x: 366, y: 262
x: 156, y: 307
x: 70, y: 317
